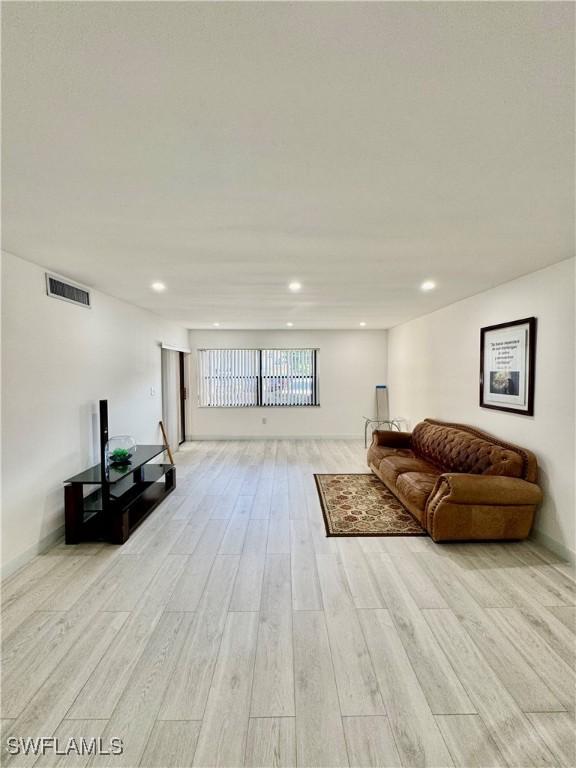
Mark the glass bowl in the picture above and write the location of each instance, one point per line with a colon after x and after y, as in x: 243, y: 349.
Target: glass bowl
x: 119, y: 450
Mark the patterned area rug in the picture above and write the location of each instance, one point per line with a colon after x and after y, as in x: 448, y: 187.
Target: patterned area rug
x: 361, y: 505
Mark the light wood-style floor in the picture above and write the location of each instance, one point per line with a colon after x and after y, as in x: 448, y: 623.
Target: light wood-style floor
x: 229, y: 631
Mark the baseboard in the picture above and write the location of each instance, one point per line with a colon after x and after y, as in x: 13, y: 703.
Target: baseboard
x: 196, y: 438
x: 554, y: 546
x: 8, y: 569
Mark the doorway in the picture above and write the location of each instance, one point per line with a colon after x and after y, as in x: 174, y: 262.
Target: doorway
x: 174, y: 396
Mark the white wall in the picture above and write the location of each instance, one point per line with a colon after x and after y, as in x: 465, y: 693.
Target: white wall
x: 58, y: 360
x: 350, y: 364
x: 434, y: 368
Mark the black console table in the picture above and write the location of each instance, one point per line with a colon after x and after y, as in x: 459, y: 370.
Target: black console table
x: 123, y: 497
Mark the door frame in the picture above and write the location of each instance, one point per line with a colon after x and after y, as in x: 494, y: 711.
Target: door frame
x: 183, y: 395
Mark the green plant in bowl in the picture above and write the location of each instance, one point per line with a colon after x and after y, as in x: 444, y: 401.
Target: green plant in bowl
x: 120, y: 456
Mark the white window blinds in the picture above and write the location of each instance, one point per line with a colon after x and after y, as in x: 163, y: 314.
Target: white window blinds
x: 228, y: 377
x: 235, y: 378
x: 289, y: 377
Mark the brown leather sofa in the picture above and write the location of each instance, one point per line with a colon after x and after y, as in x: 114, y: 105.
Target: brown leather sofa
x: 460, y: 483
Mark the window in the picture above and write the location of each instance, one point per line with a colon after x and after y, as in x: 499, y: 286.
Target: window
x: 289, y: 377
x: 228, y: 377
x: 235, y: 378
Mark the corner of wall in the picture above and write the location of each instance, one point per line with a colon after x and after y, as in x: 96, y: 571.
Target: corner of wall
x: 554, y: 546
x: 14, y: 565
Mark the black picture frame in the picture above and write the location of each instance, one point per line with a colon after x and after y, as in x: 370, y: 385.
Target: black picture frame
x: 523, y: 381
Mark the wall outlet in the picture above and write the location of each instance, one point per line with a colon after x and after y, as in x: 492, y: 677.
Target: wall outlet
x: 264, y: 420
x: 152, y: 391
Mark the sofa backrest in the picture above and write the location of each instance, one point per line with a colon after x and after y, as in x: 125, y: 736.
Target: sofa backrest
x: 459, y: 448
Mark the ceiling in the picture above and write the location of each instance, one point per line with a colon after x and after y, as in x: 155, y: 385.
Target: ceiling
x: 228, y: 148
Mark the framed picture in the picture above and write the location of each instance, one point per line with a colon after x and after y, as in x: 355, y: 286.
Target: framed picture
x: 507, y: 363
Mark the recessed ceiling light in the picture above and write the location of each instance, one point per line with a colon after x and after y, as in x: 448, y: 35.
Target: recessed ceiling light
x: 158, y: 287
x: 216, y: 325
x: 295, y: 286
x: 289, y: 325
x: 362, y: 324
x: 428, y: 285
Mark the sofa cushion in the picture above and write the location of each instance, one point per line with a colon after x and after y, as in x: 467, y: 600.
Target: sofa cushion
x: 416, y: 487
x: 378, y: 452
x: 466, y: 450
x: 391, y: 467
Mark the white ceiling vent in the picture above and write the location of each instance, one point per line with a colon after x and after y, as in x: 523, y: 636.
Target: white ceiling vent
x: 67, y: 291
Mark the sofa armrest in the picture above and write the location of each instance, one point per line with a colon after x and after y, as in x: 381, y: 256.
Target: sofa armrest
x: 485, y: 489
x: 391, y: 438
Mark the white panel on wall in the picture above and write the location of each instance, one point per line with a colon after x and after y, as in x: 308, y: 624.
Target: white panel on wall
x: 58, y: 361
x: 434, y: 371
x: 171, y: 396
x: 350, y: 365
